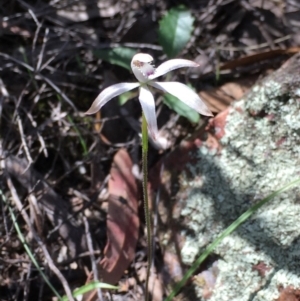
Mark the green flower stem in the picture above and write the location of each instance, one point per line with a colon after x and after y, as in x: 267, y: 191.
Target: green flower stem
x: 146, y: 203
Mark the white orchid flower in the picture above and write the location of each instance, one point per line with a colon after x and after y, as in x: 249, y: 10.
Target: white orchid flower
x: 145, y: 73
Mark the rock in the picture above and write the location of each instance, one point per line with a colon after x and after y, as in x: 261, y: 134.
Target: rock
x: 208, y: 184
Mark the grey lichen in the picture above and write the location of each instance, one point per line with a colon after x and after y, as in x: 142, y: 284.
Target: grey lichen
x: 260, y: 153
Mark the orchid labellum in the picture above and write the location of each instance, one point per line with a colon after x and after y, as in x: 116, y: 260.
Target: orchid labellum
x: 146, y: 73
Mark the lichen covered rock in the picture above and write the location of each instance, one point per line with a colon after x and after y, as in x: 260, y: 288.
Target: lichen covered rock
x: 258, y: 153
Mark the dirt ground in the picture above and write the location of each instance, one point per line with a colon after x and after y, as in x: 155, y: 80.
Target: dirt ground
x: 57, y: 164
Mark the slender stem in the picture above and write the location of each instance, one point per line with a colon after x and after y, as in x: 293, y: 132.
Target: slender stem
x: 146, y: 203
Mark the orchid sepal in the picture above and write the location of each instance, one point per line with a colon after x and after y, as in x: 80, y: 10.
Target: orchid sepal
x: 185, y: 94
x: 109, y: 93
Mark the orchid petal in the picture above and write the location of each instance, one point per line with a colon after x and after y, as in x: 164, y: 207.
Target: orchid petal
x: 172, y: 65
x: 148, y: 106
x: 185, y: 94
x: 109, y: 93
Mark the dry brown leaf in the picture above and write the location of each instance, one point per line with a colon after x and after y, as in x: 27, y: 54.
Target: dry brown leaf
x: 289, y: 294
x: 122, y: 221
x: 217, y: 124
x: 218, y: 99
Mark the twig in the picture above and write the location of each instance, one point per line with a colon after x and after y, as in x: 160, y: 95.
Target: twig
x: 22, y: 239
x: 27, y: 282
x: 137, y: 45
x: 254, y: 47
x: 50, y: 262
x: 40, y: 56
x: 45, y: 65
x: 20, y: 126
x: 41, y: 77
x: 52, y: 203
x: 36, y: 212
x: 39, y: 26
x: 93, y: 261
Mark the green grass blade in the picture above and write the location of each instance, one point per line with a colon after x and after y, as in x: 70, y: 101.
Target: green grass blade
x: 27, y: 249
x: 225, y: 233
x: 81, y: 140
x: 89, y: 287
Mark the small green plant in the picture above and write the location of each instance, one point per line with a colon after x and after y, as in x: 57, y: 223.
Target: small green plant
x: 175, y: 30
x: 145, y: 73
